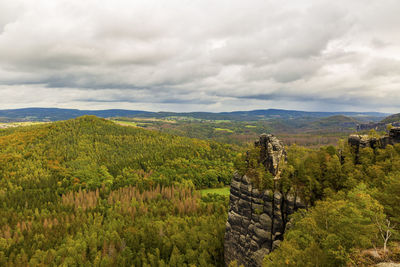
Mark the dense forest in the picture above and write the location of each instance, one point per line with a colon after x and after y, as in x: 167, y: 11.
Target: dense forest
x: 89, y: 192
x: 305, y: 131
x: 88, y: 152
x: 353, y: 200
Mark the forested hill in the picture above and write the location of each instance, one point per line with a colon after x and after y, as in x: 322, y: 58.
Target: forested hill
x: 88, y: 152
x: 392, y: 118
x: 54, y: 114
x: 88, y: 192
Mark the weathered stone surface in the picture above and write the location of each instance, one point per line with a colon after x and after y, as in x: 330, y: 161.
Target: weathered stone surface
x: 268, y: 208
x: 235, y: 184
x: 242, y: 239
x: 253, y: 245
x: 245, y: 222
x: 265, y: 221
x: 255, y: 193
x: 245, y: 180
x: 388, y: 264
x: 362, y: 141
x: 251, y: 227
x: 262, y: 234
x: 257, y: 200
x: 272, y: 152
x: 244, y: 204
x: 258, y: 256
x: 235, y: 192
x: 245, y: 189
x: 277, y: 196
x: 257, y: 219
x: 394, y: 133
x: 257, y: 208
x: 234, y: 218
x: 267, y: 196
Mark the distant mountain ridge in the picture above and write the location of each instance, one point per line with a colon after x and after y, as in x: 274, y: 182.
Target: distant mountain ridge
x: 392, y: 118
x: 55, y: 114
x: 381, y: 125
x: 295, y: 113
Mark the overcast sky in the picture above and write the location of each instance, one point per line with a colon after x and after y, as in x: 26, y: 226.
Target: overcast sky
x: 201, y: 55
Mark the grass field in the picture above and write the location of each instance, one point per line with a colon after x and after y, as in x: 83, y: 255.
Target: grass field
x: 223, y: 130
x: 220, y: 191
x: 125, y: 123
x: 4, y: 125
x: 169, y: 120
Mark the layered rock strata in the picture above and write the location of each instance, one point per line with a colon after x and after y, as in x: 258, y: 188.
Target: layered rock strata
x: 257, y: 219
x: 362, y: 141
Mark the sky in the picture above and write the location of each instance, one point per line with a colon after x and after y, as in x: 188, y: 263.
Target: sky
x: 201, y: 55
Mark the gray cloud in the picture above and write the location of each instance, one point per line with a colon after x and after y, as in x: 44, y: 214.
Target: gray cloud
x: 201, y: 55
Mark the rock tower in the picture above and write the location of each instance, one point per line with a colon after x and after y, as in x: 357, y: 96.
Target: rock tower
x: 257, y: 219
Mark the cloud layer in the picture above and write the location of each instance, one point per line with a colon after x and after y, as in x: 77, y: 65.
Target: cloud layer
x: 201, y: 54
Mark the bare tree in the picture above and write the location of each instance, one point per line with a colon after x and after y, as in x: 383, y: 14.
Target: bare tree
x: 386, y: 231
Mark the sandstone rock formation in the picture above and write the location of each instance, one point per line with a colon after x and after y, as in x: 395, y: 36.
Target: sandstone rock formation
x: 257, y: 219
x: 362, y: 141
x: 272, y: 152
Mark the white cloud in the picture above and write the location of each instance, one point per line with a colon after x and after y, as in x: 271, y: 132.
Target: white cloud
x: 201, y: 54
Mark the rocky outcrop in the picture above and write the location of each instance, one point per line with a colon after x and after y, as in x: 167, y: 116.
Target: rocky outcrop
x: 272, y: 152
x: 257, y: 219
x: 388, y: 264
x: 362, y: 141
x: 378, y: 126
x: 394, y: 134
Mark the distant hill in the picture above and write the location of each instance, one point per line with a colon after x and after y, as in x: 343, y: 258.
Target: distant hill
x: 280, y: 113
x: 111, y: 188
x: 381, y: 125
x: 392, y: 118
x: 331, y: 124
x: 88, y: 151
x: 55, y: 114
x: 337, y: 120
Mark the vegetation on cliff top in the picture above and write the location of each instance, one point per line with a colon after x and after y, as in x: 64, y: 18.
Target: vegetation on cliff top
x: 354, y: 202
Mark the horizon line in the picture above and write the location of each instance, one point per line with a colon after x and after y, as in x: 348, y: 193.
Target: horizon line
x: 213, y: 112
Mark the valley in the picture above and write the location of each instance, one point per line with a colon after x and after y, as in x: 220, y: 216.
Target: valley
x: 156, y: 191
x: 199, y: 133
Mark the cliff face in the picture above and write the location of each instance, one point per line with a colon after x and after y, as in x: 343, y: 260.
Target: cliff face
x: 362, y: 141
x: 257, y: 219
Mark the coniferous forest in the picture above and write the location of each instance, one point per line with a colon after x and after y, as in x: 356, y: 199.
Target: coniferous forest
x: 89, y: 192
